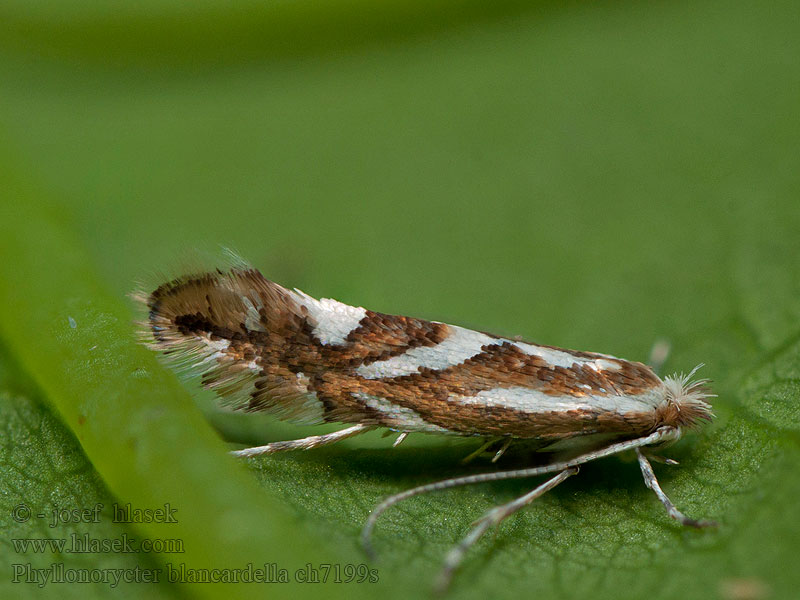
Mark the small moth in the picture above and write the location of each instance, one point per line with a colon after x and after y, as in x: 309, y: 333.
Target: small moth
x: 262, y: 347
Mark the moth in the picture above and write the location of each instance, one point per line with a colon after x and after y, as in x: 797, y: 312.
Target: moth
x: 262, y: 347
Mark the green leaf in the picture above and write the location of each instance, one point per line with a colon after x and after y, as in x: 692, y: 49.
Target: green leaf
x: 131, y: 417
x: 43, y: 472
x: 591, y: 176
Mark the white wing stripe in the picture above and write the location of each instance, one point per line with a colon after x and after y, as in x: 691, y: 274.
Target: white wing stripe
x: 462, y: 344
x: 457, y: 347
x: 559, y: 358
x: 334, y: 320
x: 401, y: 416
x: 527, y: 400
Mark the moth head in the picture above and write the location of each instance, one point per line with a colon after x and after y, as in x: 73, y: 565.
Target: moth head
x: 687, y: 405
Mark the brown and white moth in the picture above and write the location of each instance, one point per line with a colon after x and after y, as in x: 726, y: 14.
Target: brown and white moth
x: 262, y: 347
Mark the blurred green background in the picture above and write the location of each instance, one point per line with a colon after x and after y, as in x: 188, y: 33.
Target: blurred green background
x: 595, y: 176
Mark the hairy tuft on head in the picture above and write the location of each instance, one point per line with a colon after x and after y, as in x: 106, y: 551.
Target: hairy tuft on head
x: 687, y: 399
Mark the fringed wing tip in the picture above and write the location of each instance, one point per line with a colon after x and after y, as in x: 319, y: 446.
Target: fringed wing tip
x: 195, y: 323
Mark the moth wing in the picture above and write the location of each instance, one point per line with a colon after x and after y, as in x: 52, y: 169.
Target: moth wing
x: 203, y: 325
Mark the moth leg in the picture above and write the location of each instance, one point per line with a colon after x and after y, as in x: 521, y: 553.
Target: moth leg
x: 400, y: 439
x: 312, y: 441
x: 490, y: 519
x: 502, y: 449
x: 473, y: 455
x: 651, y: 482
x: 658, y: 436
x: 662, y: 459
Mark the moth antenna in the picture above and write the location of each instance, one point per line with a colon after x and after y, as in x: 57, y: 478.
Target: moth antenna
x: 366, y: 532
x: 659, y: 354
x: 492, y: 519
